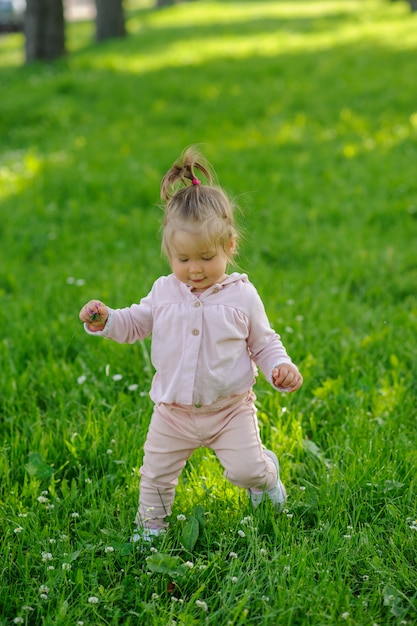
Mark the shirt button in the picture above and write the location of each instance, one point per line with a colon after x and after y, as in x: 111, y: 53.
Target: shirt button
x: 195, y: 332
x: 197, y: 303
x: 215, y: 290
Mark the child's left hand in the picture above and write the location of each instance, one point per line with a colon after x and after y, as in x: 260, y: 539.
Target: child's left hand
x: 287, y: 376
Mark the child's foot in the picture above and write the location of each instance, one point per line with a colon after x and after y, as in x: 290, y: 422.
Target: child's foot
x: 277, y: 494
x: 145, y: 534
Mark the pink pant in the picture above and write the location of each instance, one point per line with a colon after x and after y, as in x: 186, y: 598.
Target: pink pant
x: 229, y: 427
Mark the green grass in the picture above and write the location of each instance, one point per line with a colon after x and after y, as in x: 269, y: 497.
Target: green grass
x: 307, y: 110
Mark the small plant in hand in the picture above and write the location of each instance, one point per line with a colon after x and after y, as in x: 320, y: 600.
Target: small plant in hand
x: 94, y: 314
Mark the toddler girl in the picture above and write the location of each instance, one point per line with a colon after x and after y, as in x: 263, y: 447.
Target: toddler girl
x: 209, y: 333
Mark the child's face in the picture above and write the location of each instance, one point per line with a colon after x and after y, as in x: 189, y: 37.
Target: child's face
x: 194, y: 264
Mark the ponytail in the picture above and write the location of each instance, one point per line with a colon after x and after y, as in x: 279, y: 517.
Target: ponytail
x: 183, y: 173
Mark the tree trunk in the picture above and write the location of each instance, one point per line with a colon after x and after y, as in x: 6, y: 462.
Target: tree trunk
x: 110, y: 20
x: 413, y: 5
x: 44, y: 30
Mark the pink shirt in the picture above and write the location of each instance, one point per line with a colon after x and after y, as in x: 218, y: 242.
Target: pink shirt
x: 203, y: 348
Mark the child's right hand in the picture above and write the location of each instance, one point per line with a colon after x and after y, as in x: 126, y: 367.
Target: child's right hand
x: 95, y: 315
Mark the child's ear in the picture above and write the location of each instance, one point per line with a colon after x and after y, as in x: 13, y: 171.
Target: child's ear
x: 233, y: 244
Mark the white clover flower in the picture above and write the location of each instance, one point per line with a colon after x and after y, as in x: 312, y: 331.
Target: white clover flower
x: 80, y: 623
x: 234, y: 579
x: 233, y: 555
x: 50, y: 507
x: 80, y: 282
x: 133, y: 387
x: 202, y: 605
x: 155, y: 596
x: 153, y: 549
x: 246, y: 520
x: 347, y: 537
x: 75, y: 514
x: 66, y: 566
x: 18, y: 620
x: 345, y: 615
x: 263, y: 551
x: 241, y: 533
x: 109, y: 451
x: 117, y: 377
x: 47, y: 556
x: 93, y: 600
x: 43, y: 589
x: 18, y: 530
x: 27, y: 608
x: 109, y: 549
x: 181, y: 517
x: 70, y: 280
x: 43, y: 596
x: 43, y: 499
x: 51, y: 540
x: 302, y: 488
x: 50, y: 568
x: 265, y: 598
x: 22, y: 515
x: 189, y: 564
x: 81, y: 379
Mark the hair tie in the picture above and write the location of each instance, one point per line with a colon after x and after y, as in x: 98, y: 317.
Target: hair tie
x: 195, y: 181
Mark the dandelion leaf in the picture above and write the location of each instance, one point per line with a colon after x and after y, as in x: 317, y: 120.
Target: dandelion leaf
x: 190, y: 533
x: 38, y: 468
x: 160, y: 563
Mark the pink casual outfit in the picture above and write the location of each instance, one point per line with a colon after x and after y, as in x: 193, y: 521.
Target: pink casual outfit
x: 205, y: 351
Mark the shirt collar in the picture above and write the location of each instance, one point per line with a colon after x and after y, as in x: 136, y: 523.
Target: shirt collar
x: 232, y: 278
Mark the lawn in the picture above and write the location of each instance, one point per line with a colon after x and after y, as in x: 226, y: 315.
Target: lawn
x: 308, y: 111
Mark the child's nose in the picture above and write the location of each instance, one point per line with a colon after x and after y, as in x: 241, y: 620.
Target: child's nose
x: 195, y: 267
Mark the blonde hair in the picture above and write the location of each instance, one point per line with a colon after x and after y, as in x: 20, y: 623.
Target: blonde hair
x: 189, y: 205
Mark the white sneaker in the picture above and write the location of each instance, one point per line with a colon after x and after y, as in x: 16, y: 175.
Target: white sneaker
x: 145, y: 534
x: 277, y: 494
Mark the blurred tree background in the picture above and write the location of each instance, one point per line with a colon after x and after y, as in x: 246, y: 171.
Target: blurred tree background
x: 45, y: 24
